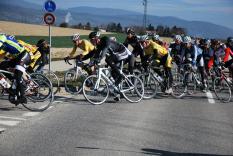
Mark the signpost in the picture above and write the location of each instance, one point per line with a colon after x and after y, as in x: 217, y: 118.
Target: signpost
x: 49, y: 19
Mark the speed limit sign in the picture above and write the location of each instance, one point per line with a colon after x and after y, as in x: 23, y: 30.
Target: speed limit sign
x: 49, y: 18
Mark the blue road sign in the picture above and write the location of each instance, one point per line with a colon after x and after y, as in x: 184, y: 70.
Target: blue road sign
x: 50, y: 6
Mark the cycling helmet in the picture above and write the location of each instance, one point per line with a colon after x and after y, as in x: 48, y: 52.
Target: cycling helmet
x: 94, y: 34
x: 207, y: 42
x: 112, y: 38
x: 187, y: 39
x: 75, y: 37
x: 156, y: 37
x: 230, y: 40
x: 142, y: 38
x: 178, y: 38
x: 40, y: 43
x: 130, y: 31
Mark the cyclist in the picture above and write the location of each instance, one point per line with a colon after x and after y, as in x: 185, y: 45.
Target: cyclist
x: 229, y: 52
x: 193, y: 52
x: 208, y: 52
x: 44, y: 49
x: 115, y: 53
x: 176, y: 48
x: 88, y: 49
x: 132, y: 40
x: 160, y: 55
x: 21, y: 58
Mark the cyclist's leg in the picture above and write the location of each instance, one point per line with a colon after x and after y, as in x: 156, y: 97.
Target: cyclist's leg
x: 115, y: 71
x: 201, y: 69
x: 130, y: 62
x: 22, y: 60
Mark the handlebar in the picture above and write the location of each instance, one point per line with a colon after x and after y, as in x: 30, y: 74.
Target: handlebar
x: 67, y: 60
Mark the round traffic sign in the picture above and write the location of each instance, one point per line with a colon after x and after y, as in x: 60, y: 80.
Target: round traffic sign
x: 49, y: 18
x: 50, y: 6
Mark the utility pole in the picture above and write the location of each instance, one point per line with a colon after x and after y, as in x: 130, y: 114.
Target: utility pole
x: 145, y: 13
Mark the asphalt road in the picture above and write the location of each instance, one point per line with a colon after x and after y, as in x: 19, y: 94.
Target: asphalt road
x: 163, y: 126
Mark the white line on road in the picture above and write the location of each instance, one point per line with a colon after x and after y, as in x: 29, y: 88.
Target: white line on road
x: 210, y: 97
x: 31, y: 114
x: 14, y: 118
x: 9, y: 123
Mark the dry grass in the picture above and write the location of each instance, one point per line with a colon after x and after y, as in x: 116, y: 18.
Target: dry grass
x: 22, y: 29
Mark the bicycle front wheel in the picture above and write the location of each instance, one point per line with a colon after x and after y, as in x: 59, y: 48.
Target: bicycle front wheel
x: 178, y: 87
x: 132, y: 89
x: 54, y: 80
x: 222, y: 89
x: 39, y: 95
x: 95, y: 90
x: 74, y: 81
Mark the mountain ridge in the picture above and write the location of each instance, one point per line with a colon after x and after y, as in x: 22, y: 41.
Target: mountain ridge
x: 32, y: 13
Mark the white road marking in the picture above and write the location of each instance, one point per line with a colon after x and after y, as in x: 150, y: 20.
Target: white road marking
x: 210, y: 97
x: 9, y: 123
x: 14, y: 118
x: 31, y: 113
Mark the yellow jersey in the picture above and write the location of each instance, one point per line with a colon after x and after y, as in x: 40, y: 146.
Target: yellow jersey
x: 162, y: 51
x: 85, y: 46
x: 32, y: 50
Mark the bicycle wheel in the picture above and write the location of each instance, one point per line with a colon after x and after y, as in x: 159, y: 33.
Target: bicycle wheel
x: 73, y: 81
x: 222, y: 89
x: 42, y: 77
x: 132, y: 89
x: 179, y: 88
x: 150, y: 85
x: 95, y: 90
x: 39, y: 95
x: 54, y: 80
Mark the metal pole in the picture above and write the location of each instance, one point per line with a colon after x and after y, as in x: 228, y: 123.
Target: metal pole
x: 50, y: 44
x: 145, y: 13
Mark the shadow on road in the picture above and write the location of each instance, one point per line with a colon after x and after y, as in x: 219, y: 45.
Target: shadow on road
x: 168, y: 153
x: 147, y: 151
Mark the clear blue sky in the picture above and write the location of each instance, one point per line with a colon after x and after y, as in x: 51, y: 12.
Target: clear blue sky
x: 215, y: 11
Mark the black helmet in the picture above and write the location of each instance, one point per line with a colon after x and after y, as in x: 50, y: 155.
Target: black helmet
x: 94, y: 34
x: 40, y: 43
x: 130, y: 31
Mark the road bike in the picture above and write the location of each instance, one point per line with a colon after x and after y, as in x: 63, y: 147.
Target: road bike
x: 74, y: 77
x: 223, y: 86
x: 38, y: 90
x: 96, y: 88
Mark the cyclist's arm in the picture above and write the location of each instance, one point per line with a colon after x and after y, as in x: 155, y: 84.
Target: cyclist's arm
x: 73, y: 51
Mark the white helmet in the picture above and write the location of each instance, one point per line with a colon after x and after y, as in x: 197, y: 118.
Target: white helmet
x: 178, y: 38
x: 156, y: 37
x: 75, y: 37
x: 187, y: 39
x: 142, y: 38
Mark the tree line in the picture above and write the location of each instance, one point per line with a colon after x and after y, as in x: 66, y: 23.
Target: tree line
x: 117, y: 27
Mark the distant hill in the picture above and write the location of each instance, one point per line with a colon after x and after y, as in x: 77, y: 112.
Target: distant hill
x: 21, y: 11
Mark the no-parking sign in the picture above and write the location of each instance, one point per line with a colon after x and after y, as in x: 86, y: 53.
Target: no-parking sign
x: 49, y: 18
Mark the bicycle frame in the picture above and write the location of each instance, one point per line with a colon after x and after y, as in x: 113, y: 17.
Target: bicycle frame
x: 101, y: 74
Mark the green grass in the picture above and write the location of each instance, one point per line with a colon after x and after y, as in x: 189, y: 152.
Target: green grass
x: 64, y: 41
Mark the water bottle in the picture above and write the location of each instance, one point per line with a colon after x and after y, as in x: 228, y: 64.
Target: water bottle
x: 159, y: 78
